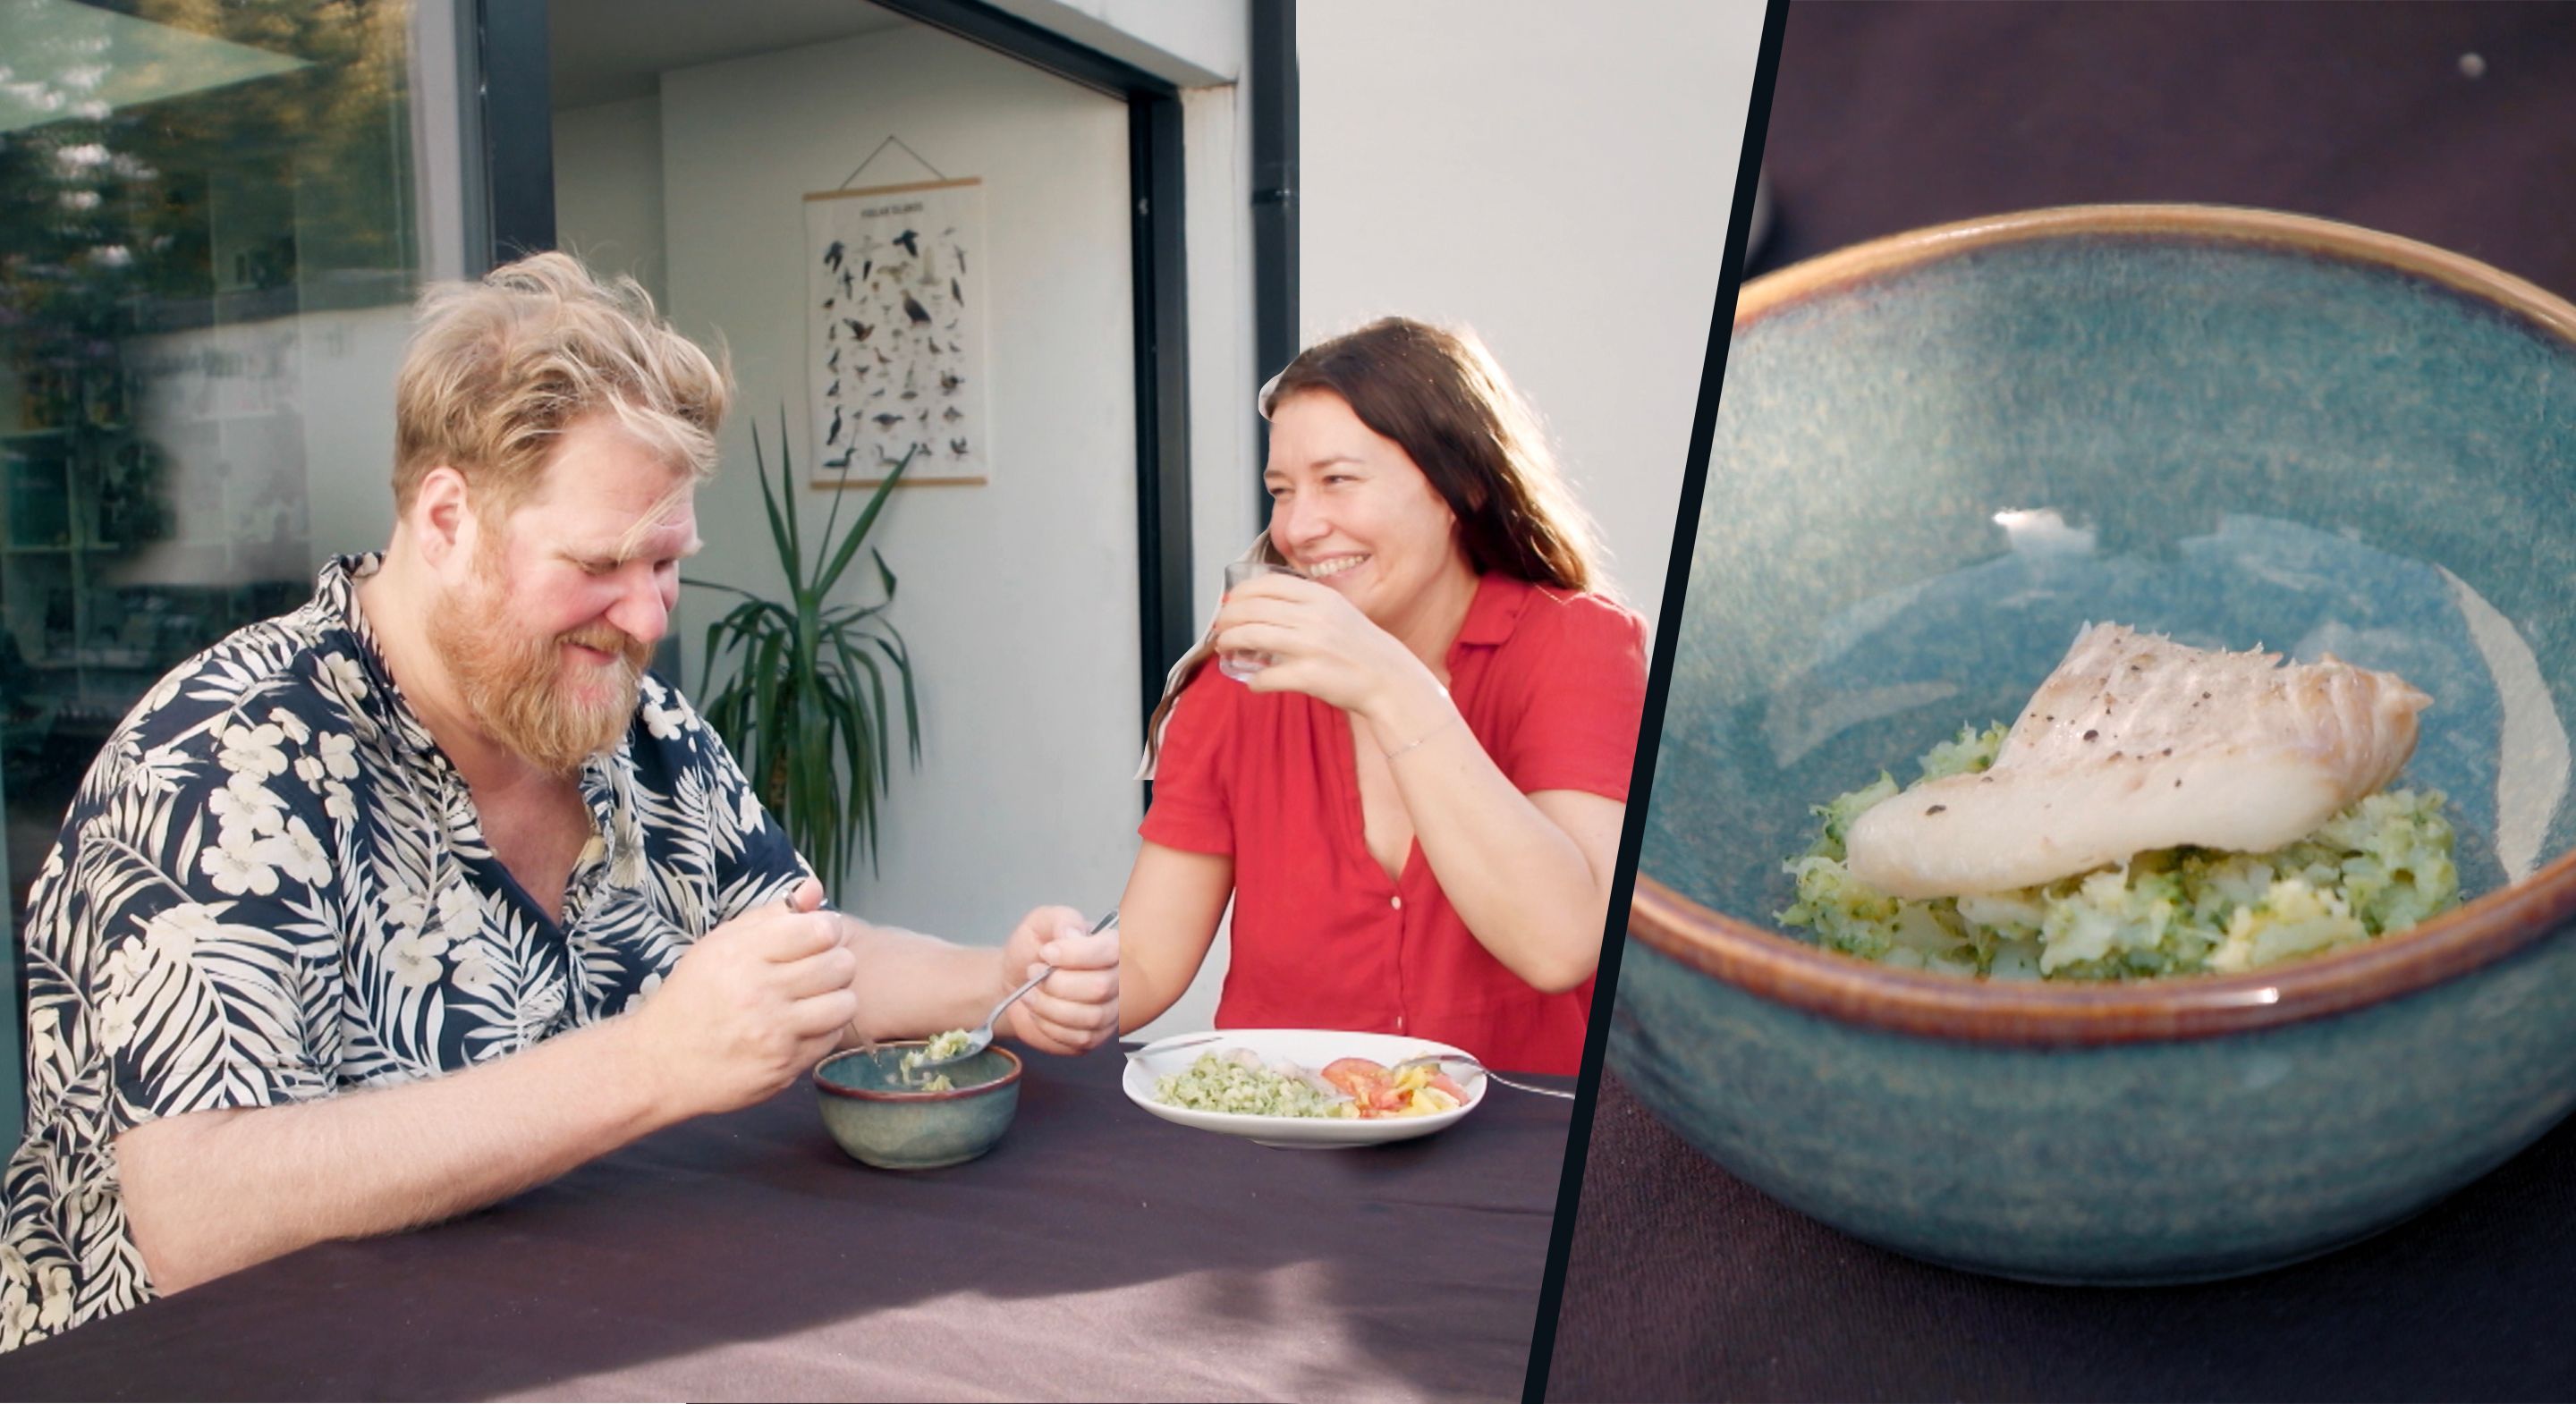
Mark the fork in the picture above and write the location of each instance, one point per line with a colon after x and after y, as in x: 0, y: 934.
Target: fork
x: 1443, y: 1060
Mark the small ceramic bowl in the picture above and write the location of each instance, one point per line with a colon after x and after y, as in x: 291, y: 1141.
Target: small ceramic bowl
x: 1938, y: 456
x: 880, y: 1121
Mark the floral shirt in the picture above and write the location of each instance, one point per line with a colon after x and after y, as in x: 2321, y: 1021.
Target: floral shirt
x: 274, y: 886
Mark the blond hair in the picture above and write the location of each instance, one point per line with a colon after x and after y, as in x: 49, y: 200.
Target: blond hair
x: 497, y: 369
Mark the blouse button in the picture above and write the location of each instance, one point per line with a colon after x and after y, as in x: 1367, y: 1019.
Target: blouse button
x: 1396, y: 902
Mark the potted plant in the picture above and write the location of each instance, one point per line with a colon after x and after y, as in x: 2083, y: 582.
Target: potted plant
x: 805, y: 700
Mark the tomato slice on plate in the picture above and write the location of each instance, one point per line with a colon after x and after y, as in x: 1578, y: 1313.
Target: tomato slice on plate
x: 1367, y: 1083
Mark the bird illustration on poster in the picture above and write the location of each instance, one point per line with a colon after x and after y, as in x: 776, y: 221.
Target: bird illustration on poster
x: 895, y: 320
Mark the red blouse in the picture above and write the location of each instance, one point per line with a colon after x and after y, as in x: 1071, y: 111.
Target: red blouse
x: 1553, y: 686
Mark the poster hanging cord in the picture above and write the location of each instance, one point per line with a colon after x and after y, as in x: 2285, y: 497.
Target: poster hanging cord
x: 891, y: 140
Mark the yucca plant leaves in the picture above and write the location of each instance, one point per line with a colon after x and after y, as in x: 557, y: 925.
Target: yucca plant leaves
x: 782, y: 523
x: 853, y: 662
x: 796, y: 688
x: 892, y: 645
x: 858, y: 534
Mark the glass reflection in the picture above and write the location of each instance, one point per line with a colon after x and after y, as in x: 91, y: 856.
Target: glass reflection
x: 207, y: 243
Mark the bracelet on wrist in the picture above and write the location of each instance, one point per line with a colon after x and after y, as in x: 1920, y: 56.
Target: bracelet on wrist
x: 1443, y: 725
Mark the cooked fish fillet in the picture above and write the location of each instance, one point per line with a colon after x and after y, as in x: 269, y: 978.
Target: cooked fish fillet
x: 2138, y: 743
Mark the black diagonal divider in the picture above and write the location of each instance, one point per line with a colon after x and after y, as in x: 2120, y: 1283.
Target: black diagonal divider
x: 1659, y: 672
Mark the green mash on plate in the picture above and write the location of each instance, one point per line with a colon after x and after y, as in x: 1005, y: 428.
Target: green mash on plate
x: 2381, y: 865
x: 1244, y: 1085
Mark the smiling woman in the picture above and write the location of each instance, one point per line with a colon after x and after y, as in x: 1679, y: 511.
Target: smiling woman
x: 1415, y: 805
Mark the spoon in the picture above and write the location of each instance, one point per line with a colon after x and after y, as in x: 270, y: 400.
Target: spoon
x: 1135, y: 1055
x: 980, y: 1038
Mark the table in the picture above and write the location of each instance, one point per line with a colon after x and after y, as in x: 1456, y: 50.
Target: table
x: 1888, y: 117
x: 1684, y: 1283
x: 1095, y: 1253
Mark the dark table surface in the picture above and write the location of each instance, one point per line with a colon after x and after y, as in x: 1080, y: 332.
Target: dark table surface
x: 1889, y: 117
x: 1095, y: 1253
x: 1684, y: 1283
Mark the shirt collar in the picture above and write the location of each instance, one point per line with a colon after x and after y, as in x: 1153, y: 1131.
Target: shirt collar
x: 335, y: 591
x: 1496, y: 610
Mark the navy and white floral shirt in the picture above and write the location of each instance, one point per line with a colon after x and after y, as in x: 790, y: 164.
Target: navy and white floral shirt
x: 274, y: 886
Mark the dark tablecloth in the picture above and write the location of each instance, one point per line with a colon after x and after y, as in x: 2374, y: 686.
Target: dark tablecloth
x: 1684, y: 1283
x: 1888, y: 117
x: 1095, y: 1253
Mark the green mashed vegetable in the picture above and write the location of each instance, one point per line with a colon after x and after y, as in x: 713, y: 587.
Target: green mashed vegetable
x: 2380, y: 866
x: 947, y: 1045
x: 1239, y: 1082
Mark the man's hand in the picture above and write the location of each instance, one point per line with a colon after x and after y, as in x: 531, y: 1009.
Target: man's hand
x: 751, y: 1007
x: 743, y: 1013
x: 1077, y: 1007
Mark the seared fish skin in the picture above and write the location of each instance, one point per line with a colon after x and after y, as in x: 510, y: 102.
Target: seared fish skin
x: 2138, y: 743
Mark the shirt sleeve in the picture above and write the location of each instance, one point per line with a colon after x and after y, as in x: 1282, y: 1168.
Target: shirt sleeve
x: 1192, y: 810
x: 1584, y: 698
x: 196, y: 913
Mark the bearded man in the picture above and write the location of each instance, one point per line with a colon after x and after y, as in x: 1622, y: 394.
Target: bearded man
x: 425, y: 893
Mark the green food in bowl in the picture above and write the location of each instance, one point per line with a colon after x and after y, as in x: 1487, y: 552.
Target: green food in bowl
x: 1244, y: 1085
x: 2380, y: 866
x: 1946, y: 453
x: 881, y: 1118
x: 940, y: 1048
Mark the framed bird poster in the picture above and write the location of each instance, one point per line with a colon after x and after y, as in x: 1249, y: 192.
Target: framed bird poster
x: 895, y: 338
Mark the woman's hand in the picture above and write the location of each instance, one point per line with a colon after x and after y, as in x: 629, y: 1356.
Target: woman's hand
x: 1077, y: 1006
x: 1321, y: 645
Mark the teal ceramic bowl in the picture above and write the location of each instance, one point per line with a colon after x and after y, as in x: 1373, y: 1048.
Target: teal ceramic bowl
x: 880, y: 1121
x: 1939, y: 455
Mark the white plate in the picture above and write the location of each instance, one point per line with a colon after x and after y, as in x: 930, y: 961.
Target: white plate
x: 1309, y: 1048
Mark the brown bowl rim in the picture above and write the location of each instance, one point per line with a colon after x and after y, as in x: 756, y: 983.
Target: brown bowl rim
x: 861, y: 1094
x: 2026, y: 1013
x: 1856, y: 991
x: 1893, y: 253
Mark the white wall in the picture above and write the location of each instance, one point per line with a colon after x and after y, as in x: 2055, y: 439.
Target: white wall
x: 1225, y: 479
x: 1186, y: 42
x: 1555, y: 175
x: 608, y: 190
x: 1018, y: 598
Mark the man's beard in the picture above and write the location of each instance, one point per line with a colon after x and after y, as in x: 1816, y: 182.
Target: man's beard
x: 514, y: 686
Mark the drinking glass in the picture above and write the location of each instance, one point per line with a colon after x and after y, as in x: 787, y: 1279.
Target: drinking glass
x: 1241, y: 663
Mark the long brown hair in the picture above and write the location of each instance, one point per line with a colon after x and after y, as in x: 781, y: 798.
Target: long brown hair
x: 1438, y: 394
